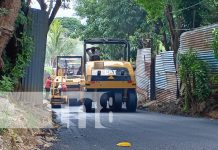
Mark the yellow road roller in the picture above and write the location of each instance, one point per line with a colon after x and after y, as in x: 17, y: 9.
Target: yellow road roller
x: 68, y: 79
x: 114, y: 79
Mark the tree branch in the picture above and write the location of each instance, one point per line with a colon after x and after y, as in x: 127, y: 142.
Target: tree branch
x: 173, y: 32
x: 28, y: 3
x: 54, y: 11
x: 42, y: 4
x: 50, y: 7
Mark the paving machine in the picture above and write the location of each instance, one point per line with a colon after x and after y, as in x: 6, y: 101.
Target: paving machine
x: 69, y: 77
x: 115, y: 79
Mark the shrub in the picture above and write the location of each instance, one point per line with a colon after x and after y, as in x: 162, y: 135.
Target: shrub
x: 6, y: 84
x: 215, y: 42
x: 194, y: 77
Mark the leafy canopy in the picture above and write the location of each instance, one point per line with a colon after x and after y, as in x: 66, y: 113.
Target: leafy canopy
x: 58, y: 43
x: 110, y: 19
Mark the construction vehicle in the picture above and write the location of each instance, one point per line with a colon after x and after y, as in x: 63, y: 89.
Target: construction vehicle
x: 115, y: 79
x: 69, y: 77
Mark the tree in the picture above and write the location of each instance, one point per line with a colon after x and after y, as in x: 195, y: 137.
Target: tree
x: 58, y: 43
x: 179, y: 15
x: 193, y: 16
x: 8, y: 12
x: 112, y: 18
x: 156, y: 9
x: 209, y: 15
x: 73, y: 26
x: 52, y: 8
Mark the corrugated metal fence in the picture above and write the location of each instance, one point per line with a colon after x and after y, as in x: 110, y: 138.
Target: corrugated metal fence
x: 165, y: 73
x: 143, y: 63
x: 33, y: 79
x: 166, y: 78
x: 201, y: 40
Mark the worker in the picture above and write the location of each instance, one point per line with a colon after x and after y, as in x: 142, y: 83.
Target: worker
x: 62, y: 87
x: 47, y: 87
x: 93, y: 53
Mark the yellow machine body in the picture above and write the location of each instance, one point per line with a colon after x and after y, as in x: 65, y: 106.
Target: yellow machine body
x: 109, y: 80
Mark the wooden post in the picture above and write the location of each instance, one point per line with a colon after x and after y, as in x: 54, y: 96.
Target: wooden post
x: 152, y: 72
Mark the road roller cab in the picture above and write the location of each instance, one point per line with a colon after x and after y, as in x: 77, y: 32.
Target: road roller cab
x: 115, y: 80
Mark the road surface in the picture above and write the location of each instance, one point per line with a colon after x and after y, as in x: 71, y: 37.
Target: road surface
x: 144, y: 130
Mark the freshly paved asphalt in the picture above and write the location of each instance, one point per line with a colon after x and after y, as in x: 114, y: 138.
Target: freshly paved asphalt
x: 144, y: 130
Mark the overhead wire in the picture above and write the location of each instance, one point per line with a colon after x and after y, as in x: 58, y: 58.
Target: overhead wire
x: 180, y: 10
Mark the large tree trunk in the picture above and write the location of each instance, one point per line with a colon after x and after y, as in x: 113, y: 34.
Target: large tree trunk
x: 7, y: 22
x: 174, y: 33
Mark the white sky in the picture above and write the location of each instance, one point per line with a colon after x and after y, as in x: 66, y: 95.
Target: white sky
x: 61, y: 13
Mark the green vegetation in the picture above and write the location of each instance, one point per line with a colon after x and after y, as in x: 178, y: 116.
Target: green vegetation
x: 170, y: 18
x: 215, y: 42
x: 14, y: 73
x: 58, y: 43
x: 48, y: 70
x: 194, y: 77
x: 72, y: 26
x: 6, y: 84
x: 14, y: 69
x: 113, y: 19
x: 135, y: 20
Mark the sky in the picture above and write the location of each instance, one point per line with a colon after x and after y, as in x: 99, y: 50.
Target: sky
x: 61, y: 13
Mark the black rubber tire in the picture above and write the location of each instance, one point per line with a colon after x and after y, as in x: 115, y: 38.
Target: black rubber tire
x: 117, y: 101
x: 131, y: 104
x: 55, y: 106
x: 88, y: 105
x: 103, y: 100
x: 74, y: 102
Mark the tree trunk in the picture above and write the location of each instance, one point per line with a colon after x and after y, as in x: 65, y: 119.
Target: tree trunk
x: 164, y: 41
x: 174, y: 33
x: 7, y: 22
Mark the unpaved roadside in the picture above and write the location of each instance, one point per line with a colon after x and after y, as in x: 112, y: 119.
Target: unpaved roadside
x: 24, y: 130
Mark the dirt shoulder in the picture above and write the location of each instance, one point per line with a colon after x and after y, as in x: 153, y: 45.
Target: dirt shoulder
x: 205, y: 109
x: 26, y: 128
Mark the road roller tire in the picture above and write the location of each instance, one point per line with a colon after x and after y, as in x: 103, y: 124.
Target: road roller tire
x: 55, y: 106
x: 103, y: 100
x: 74, y: 102
x: 88, y: 105
x: 131, y: 104
x: 117, y: 101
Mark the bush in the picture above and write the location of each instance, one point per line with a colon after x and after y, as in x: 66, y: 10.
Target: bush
x: 12, y: 74
x: 6, y: 84
x: 215, y: 42
x: 194, y: 77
